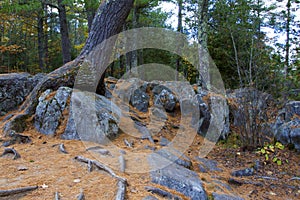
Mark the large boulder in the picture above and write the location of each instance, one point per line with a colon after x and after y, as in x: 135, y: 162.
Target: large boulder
x: 95, y: 112
x: 248, y: 100
x: 14, y: 88
x: 287, y: 126
x: 176, y: 177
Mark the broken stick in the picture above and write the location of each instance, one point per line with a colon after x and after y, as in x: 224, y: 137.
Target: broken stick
x: 13, y: 151
x: 62, y: 149
x: 4, y: 193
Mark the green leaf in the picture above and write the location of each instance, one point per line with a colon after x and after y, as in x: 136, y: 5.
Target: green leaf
x: 275, y: 159
x: 279, y: 162
x: 278, y: 145
x: 263, y: 151
x: 267, y: 156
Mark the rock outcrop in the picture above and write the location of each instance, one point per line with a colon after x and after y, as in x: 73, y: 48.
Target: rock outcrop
x: 14, y: 88
x: 287, y: 126
x: 54, y: 108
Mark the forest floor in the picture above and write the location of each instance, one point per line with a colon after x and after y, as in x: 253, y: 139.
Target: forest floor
x: 42, y: 164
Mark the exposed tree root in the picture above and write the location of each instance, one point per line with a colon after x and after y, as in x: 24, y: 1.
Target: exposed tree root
x: 4, y: 193
x: 11, y: 151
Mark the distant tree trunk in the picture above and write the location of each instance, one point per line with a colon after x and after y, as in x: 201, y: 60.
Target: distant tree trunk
x: 134, y: 55
x: 41, y: 41
x: 91, y: 9
x: 179, y: 29
x: 46, y: 37
x: 287, y: 44
x: 202, y: 40
x: 64, y: 31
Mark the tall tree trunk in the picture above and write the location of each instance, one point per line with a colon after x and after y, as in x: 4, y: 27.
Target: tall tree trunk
x: 179, y: 29
x: 202, y: 40
x: 64, y: 31
x: 91, y: 9
x: 287, y: 44
x: 134, y: 55
x: 46, y: 37
x: 40, y: 28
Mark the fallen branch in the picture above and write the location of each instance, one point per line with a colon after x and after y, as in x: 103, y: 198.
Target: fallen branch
x: 121, y: 190
x: 12, y: 151
x: 101, y: 167
x: 4, y: 193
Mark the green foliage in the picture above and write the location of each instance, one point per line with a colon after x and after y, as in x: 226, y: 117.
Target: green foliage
x: 272, y: 153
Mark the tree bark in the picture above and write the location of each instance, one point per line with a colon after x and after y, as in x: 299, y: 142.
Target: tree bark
x: 179, y: 29
x: 64, y: 31
x: 108, y: 21
x: 41, y: 42
x: 202, y: 40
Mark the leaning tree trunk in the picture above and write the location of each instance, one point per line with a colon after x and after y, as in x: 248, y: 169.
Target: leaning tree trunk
x: 108, y: 21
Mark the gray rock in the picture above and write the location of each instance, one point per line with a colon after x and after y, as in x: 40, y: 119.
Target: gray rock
x: 158, y: 113
x: 162, y: 193
x: 163, y: 96
x: 49, y: 110
x: 207, y: 165
x: 70, y: 132
x: 217, y: 196
x: 286, y: 129
x: 292, y: 108
x: 140, y: 100
x: 164, y: 141
x: 150, y: 198
x: 100, y: 115
x: 243, y: 172
x: 176, y: 157
x: 87, y: 111
x: 14, y: 88
x: 203, y: 121
x: 177, y: 178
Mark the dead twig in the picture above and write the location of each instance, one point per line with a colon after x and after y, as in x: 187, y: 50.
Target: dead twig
x: 4, y: 193
x: 11, y: 151
x: 62, y: 149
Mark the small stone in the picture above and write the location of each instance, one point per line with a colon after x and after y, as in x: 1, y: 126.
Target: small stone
x: 76, y: 181
x: 243, y: 172
x: 22, y: 168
